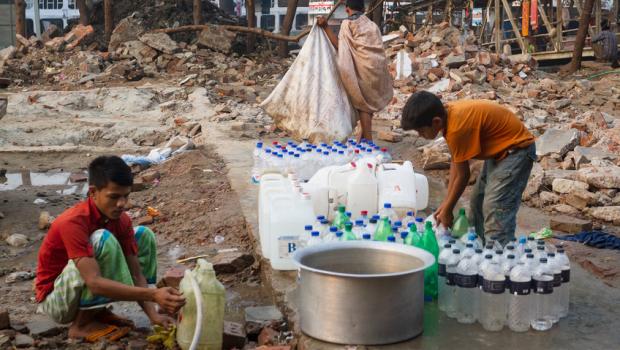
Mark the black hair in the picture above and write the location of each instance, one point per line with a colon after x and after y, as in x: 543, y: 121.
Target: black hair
x: 356, y: 5
x: 420, y: 109
x: 106, y: 169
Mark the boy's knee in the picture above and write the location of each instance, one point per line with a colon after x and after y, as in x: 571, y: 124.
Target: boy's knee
x: 101, y: 238
x: 144, y: 233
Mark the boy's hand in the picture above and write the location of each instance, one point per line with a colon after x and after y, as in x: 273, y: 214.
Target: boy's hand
x: 321, y: 22
x: 444, y: 216
x: 169, y: 299
x: 162, y: 320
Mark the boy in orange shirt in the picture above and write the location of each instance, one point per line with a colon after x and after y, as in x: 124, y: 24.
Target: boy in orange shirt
x: 478, y: 129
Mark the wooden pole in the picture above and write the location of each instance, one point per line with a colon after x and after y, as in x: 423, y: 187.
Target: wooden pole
x: 613, y: 17
x: 584, y: 21
x: 560, y: 27
x: 515, y: 29
x: 484, y: 20
x: 377, y: 14
x: 543, y: 15
x: 251, y: 39
x: 291, y: 9
x: 597, y: 16
x: 20, y: 17
x: 498, y: 27
x: 429, y: 16
x: 197, y: 10
x: 84, y: 13
x: 447, y: 12
x: 108, y: 15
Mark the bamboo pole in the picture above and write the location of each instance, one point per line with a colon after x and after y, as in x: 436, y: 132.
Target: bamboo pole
x: 20, y: 17
x: 197, y: 11
x: 543, y: 15
x: 108, y: 14
x: 515, y: 29
x: 498, y: 33
x: 291, y: 9
x: 484, y: 20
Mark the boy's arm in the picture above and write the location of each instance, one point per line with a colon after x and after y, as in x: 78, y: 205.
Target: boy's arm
x: 459, y: 177
x: 168, y: 298
x: 322, y: 22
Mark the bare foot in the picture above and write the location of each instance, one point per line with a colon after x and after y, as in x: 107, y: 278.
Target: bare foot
x: 107, y: 316
x: 83, y: 331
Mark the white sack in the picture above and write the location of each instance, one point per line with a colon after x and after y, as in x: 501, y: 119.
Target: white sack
x: 310, y: 102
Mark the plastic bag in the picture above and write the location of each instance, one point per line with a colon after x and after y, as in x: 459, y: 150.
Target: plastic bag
x: 310, y: 102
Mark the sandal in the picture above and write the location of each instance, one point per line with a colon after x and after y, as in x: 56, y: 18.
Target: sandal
x: 111, y: 333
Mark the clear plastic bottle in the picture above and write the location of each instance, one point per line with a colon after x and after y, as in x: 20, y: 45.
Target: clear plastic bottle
x: 478, y: 257
x: 419, y: 224
x: 520, y: 249
x: 472, y: 237
x: 467, y: 291
x: 488, y: 249
x: 314, y: 239
x: 388, y: 212
x: 492, y: 299
x: 324, y: 228
x: 469, y: 251
x: 442, y: 274
x: 305, y: 236
x: 359, y: 228
x: 385, y: 156
x: 495, y: 240
x: 258, y: 166
x: 565, y: 290
x: 364, y: 217
x: 526, y: 252
x: 498, y: 257
x: 507, y: 265
x: 540, y: 253
x: 403, y: 237
x: 409, y: 218
x: 542, y: 281
x: 331, y: 235
x: 531, y: 243
x: 449, y: 295
x: 395, y: 234
x: 556, y: 268
x: 520, y: 299
x: 372, y: 226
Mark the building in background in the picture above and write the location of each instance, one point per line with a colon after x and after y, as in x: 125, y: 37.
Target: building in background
x: 7, y: 23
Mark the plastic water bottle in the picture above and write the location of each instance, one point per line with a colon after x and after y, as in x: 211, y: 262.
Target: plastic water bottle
x: 467, y: 291
x: 419, y: 223
x: 492, y: 299
x: 314, y: 239
x: 372, y: 226
x: 498, y: 257
x: 395, y: 233
x: 564, y: 262
x: 257, y: 168
x: 429, y: 243
x: 341, y: 217
x: 409, y: 218
x: 324, y: 228
x: 509, y: 250
x: 488, y: 249
x: 531, y: 243
x: 359, y: 229
x: 472, y: 237
x: 306, y: 235
x: 469, y: 251
x: 331, y: 235
x: 542, y: 281
x: 364, y: 217
x: 507, y: 265
x: 540, y: 252
x: 383, y: 229
x: 520, y: 249
x: 496, y: 243
x: 388, y: 212
x: 526, y: 252
x: 415, y: 237
x: 477, y: 257
x: 445, y: 238
x: 403, y: 237
x: 556, y: 268
x: 348, y: 234
x: 461, y: 224
x: 442, y: 274
x: 385, y: 156
x: 449, y: 295
x: 519, y: 299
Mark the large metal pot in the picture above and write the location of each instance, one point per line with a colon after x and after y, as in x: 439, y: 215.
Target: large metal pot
x: 364, y: 293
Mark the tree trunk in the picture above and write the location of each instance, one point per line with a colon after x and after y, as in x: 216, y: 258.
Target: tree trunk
x: 84, y: 13
x: 108, y: 15
x: 20, y: 17
x: 580, y: 40
x: 291, y: 9
x: 447, y: 12
x: 251, y: 39
x: 613, y: 17
x: 197, y: 12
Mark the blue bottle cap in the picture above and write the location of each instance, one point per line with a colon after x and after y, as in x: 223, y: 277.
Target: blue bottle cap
x: 376, y: 217
x: 324, y: 222
x: 373, y: 220
x: 398, y: 223
x: 348, y: 213
x: 409, y: 213
x: 409, y: 225
x: 366, y: 236
x: 387, y: 205
x: 419, y: 220
x: 259, y: 145
x: 404, y: 234
x: 268, y: 150
x: 359, y: 222
x: 325, y: 153
x: 296, y: 155
x: 333, y: 229
x: 308, y: 227
x: 391, y: 238
x: 394, y: 228
x: 339, y: 234
x: 320, y: 217
x: 315, y: 233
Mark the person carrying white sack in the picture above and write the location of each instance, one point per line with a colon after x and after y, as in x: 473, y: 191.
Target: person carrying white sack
x: 362, y: 64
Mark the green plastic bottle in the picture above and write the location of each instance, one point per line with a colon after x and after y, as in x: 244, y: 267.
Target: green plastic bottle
x: 414, y: 238
x: 348, y: 232
x: 461, y: 224
x: 384, y: 229
x: 429, y: 243
x: 341, y: 217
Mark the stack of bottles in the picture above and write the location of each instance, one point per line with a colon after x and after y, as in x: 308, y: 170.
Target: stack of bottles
x: 386, y: 226
x: 524, y: 284
x: 305, y: 159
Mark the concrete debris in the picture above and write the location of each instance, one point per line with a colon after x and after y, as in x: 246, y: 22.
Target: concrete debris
x: 19, y: 276
x: 557, y: 141
x: 23, y: 341
x: 234, y: 336
x: 42, y: 326
x: 231, y: 262
x: 160, y: 42
x: 610, y: 214
x: 601, y: 177
x: 17, y: 240
x: 569, y: 224
x: 5, y: 321
x: 568, y: 186
x: 128, y: 29
x: 216, y: 38
x: 45, y: 220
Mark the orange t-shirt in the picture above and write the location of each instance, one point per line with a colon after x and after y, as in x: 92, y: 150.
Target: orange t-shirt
x: 483, y: 130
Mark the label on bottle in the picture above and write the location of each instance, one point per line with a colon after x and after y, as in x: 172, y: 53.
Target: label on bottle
x: 480, y: 280
x: 520, y: 288
x: 542, y: 287
x: 466, y: 281
x: 565, y: 276
x: 493, y: 287
x: 450, y: 279
x: 442, y: 270
x: 287, y: 245
x: 557, y: 280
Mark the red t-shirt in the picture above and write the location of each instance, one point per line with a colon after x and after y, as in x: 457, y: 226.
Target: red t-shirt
x: 69, y: 238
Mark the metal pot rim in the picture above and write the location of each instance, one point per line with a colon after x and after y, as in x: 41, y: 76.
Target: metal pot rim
x: 427, y: 258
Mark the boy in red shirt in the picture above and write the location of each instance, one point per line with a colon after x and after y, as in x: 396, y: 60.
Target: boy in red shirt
x: 92, y: 256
